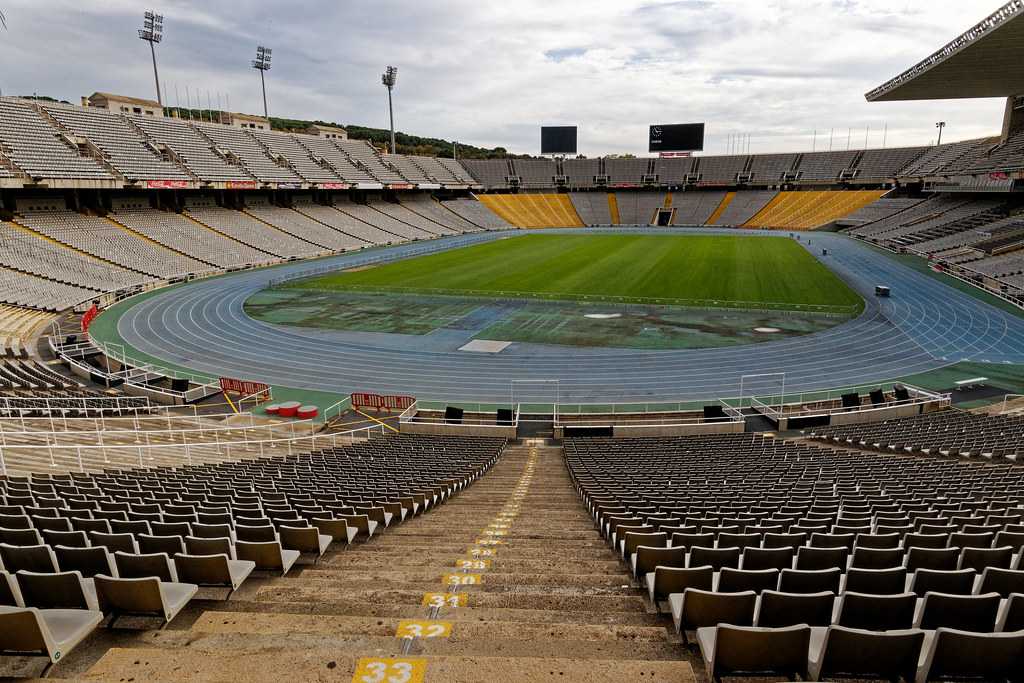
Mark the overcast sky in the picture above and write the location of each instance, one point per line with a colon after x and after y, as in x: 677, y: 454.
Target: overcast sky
x: 489, y: 73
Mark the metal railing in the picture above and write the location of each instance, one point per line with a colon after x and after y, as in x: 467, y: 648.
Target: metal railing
x: 1009, y: 398
x: 101, y: 456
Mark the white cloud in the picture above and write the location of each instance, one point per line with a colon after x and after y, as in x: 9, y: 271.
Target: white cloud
x: 491, y: 73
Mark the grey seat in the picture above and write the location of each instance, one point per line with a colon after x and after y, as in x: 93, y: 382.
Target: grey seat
x: 958, y: 582
x: 961, y: 612
x: 733, y: 650
x: 960, y: 655
x: 777, y: 609
x: 171, y: 545
x: 716, y: 557
x: 306, y: 540
x: 979, y: 559
x: 840, y: 652
x: 209, y: 546
x: 944, y: 559
x: 646, y: 558
x: 338, y: 529
x: 664, y: 581
x: 213, y: 570
x: 821, y: 558
x: 1002, y: 581
x: 693, y: 609
x: 738, y: 580
x: 810, y: 580
x: 877, y: 612
x: 268, y: 556
x: 10, y: 594
x: 876, y: 581
x: 47, y: 633
x: 876, y: 558
x: 768, y: 558
x: 63, y: 590
x: 143, y: 597
x: 20, y: 537
x: 31, y: 558
x: 1012, y: 618
x: 138, y: 566
x: 255, y: 534
x: 124, y: 542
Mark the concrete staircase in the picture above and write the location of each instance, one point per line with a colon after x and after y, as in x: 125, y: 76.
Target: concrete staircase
x: 509, y: 581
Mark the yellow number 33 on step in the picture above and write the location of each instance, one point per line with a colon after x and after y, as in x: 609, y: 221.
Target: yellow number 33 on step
x: 389, y: 670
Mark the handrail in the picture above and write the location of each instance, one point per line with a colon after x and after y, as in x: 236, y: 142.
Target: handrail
x: 1006, y: 403
x: 144, y: 452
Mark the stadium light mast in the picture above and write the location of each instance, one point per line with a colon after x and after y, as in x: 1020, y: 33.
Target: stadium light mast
x: 940, y: 125
x: 152, y: 32
x: 389, y: 78
x: 262, y: 64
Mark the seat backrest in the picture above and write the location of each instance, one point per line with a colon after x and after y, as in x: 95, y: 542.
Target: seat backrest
x: 649, y: 557
x: 207, y: 546
x: 52, y: 591
x: 20, y: 537
x: 877, y: 581
x: 23, y: 630
x: 957, y: 582
x: 738, y: 580
x: 255, y: 534
x: 170, y: 545
x: 633, y: 540
x: 130, y: 566
x: 203, y: 570
x: 114, y: 542
x: 877, y: 541
x: 704, y: 608
x: 305, y: 539
x: 856, y: 653
x: 960, y: 654
x: 716, y: 557
x: 980, y: 559
x: 266, y: 554
x: 211, y: 530
x: 962, y: 612
x: 932, y: 558
x: 10, y: 595
x: 781, y: 651
x: 877, y: 612
x: 89, y: 561
x: 877, y: 558
x: 32, y: 558
x: 789, y: 609
x: 790, y: 540
x: 768, y: 558
x: 809, y: 557
x: 688, y: 541
x: 810, y: 580
x: 129, y: 596
x: 668, y: 580
x: 1002, y: 581
x: 1013, y: 614
x: 919, y: 540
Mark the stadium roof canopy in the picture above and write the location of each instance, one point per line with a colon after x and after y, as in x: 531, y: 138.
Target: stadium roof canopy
x: 986, y: 61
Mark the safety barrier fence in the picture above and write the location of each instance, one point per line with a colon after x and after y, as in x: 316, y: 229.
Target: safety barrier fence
x: 96, y: 457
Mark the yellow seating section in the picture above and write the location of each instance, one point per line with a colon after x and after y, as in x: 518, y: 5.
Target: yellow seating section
x: 810, y: 210
x: 613, y: 208
x: 534, y: 210
x: 726, y: 201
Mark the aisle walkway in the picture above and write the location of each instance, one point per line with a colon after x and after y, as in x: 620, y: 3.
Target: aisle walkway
x: 509, y: 581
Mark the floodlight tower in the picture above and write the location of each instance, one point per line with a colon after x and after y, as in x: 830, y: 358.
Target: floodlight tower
x: 389, y: 79
x: 262, y: 64
x: 940, y: 125
x: 152, y: 32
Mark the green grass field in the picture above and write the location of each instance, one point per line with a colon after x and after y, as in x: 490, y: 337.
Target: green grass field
x: 713, y: 270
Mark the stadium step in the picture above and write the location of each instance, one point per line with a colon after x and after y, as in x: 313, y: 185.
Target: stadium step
x: 523, y: 589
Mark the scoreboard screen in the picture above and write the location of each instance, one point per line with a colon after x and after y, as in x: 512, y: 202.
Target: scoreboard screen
x: 558, y: 140
x: 676, y: 137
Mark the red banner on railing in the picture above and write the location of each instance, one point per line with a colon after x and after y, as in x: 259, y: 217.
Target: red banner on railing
x: 167, y: 184
x: 244, y: 387
x: 377, y: 402
x: 88, y: 317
